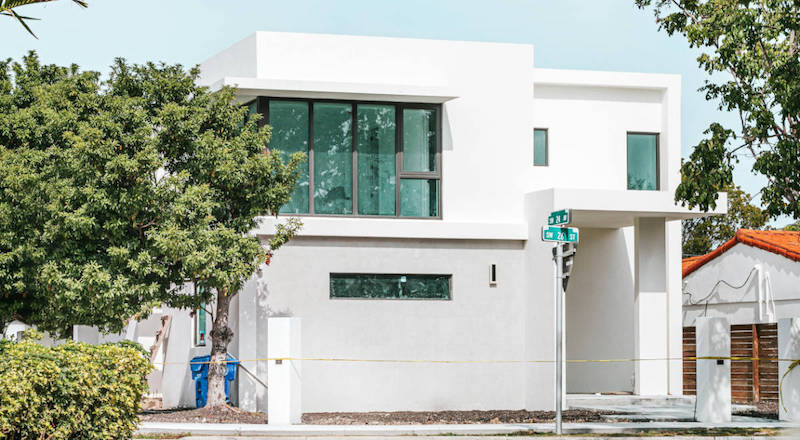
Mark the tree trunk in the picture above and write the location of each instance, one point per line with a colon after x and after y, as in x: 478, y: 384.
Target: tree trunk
x: 221, y: 336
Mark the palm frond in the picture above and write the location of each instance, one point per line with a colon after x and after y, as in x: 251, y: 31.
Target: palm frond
x: 22, y: 22
x: 7, y: 8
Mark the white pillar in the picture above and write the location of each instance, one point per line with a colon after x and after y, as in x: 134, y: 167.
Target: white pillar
x: 284, y: 376
x: 789, y: 348
x: 713, y: 376
x: 248, y: 388
x: 650, y: 314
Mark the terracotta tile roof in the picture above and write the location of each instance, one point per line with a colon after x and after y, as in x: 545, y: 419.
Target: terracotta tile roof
x: 785, y: 243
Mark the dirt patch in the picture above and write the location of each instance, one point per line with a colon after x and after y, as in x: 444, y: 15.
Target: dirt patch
x: 764, y: 410
x: 217, y: 414
x: 451, y: 417
x: 228, y: 414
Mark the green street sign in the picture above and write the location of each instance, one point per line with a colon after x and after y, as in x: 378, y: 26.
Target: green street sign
x: 559, y: 234
x: 563, y: 217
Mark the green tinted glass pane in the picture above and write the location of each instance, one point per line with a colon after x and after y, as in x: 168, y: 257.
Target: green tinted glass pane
x: 419, y: 140
x: 419, y: 197
x: 289, y: 121
x: 390, y: 286
x: 643, y: 161
x: 539, y: 147
x: 333, y: 158
x: 200, y: 337
x: 376, y: 159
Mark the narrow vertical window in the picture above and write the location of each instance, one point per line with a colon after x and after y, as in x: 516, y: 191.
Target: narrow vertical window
x: 200, y: 327
x: 643, y: 161
x: 333, y: 158
x: 540, y: 147
x: 289, y: 121
x: 419, y: 140
x: 376, y: 159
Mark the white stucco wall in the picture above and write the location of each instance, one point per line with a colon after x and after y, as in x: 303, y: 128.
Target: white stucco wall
x: 599, y: 302
x: 479, y: 322
x: 741, y: 306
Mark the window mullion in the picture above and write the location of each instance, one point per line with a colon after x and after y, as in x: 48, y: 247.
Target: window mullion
x: 354, y: 149
x: 398, y: 162
x: 310, y: 157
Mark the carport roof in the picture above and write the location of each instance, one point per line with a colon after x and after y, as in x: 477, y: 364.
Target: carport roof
x: 785, y: 243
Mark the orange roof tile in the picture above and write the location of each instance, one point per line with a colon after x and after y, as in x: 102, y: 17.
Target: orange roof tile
x: 785, y: 243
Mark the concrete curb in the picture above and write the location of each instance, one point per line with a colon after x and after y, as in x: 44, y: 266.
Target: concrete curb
x: 383, y: 431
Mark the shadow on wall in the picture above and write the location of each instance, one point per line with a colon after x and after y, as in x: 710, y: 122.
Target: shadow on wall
x: 599, y: 313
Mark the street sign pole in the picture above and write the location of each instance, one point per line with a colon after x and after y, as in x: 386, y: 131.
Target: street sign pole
x: 559, y: 336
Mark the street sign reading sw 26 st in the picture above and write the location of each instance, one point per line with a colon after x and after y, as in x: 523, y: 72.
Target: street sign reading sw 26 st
x: 563, y: 217
x: 560, y: 234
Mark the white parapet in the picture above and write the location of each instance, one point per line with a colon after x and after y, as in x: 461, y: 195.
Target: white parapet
x: 284, y: 376
x: 789, y: 348
x: 713, y: 375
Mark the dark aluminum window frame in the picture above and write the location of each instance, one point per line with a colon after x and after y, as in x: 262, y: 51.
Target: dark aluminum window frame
x: 263, y: 108
x: 658, y: 159
x: 358, y: 298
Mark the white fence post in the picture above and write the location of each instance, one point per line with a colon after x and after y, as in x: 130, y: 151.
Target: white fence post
x: 284, y: 378
x: 789, y: 348
x: 713, y: 375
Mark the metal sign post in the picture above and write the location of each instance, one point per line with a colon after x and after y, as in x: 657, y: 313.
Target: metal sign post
x: 559, y: 337
x: 557, y: 232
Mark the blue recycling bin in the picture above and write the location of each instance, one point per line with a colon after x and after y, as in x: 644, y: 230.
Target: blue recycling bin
x: 199, y: 369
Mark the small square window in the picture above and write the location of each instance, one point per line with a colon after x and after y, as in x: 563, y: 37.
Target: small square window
x: 643, y: 161
x: 540, y: 147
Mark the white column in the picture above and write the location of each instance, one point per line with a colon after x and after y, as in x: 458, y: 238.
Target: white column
x: 713, y: 376
x: 284, y: 376
x: 789, y: 348
x: 248, y: 388
x: 650, y: 307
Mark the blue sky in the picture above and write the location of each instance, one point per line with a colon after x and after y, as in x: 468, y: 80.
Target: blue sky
x: 574, y: 34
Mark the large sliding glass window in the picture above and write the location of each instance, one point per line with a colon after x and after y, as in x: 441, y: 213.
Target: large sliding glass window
x: 643, y: 161
x: 333, y: 158
x: 377, y: 136
x: 290, y: 135
x: 365, y: 158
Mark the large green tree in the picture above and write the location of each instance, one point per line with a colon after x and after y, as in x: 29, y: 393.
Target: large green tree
x: 750, y: 50
x: 117, y: 194
x: 702, y: 235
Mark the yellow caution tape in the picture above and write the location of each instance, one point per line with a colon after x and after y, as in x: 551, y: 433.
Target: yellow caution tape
x: 492, y: 361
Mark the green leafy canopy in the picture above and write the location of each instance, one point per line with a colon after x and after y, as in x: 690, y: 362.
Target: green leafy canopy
x: 115, y: 193
x: 750, y: 51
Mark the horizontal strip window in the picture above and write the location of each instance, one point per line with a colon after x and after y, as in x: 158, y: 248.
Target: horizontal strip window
x: 364, y: 158
x: 390, y: 286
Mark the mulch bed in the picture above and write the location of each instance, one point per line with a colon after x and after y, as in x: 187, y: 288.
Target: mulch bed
x: 217, y: 414
x: 228, y: 414
x: 764, y: 410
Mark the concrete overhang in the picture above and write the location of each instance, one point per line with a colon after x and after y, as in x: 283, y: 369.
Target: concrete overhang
x: 398, y: 228
x: 594, y: 208
x: 287, y: 88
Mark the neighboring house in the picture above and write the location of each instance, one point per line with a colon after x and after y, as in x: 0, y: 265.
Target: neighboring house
x: 432, y: 167
x: 752, y: 280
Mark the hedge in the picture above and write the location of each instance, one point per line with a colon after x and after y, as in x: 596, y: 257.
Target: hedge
x: 73, y: 391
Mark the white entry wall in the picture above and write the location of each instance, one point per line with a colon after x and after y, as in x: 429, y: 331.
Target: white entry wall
x: 599, y: 312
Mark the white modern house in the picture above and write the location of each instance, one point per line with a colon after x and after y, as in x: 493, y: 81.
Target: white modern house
x: 432, y: 166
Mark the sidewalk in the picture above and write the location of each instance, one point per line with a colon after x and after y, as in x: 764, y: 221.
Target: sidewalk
x: 433, y: 430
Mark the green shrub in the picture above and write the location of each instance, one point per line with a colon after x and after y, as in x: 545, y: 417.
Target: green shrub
x: 74, y: 391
